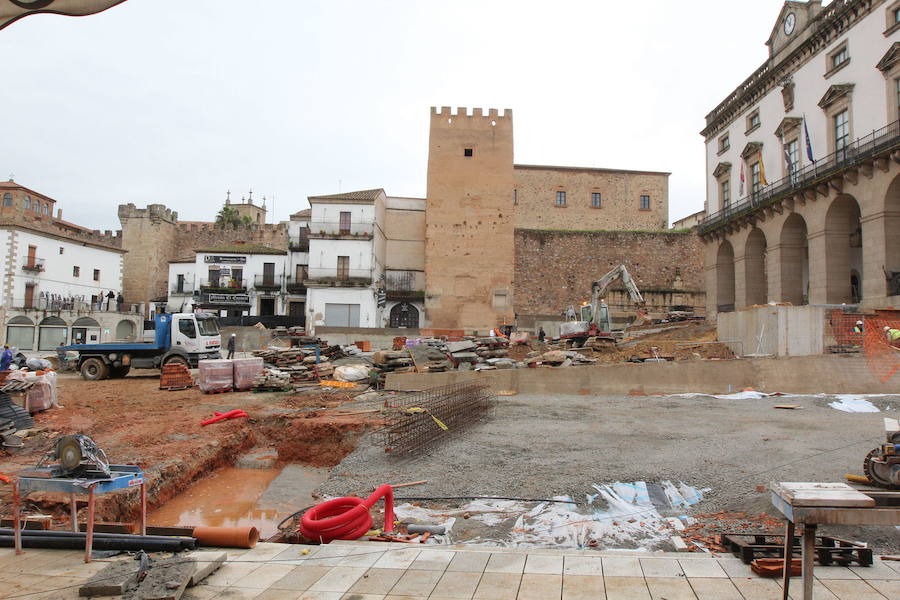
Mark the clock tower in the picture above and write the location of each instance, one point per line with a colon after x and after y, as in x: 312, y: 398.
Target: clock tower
x: 790, y: 27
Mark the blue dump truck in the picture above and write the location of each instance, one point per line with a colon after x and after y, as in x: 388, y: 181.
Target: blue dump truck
x: 185, y: 338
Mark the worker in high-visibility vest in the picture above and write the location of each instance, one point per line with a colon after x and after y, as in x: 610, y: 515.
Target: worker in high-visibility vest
x: 892, y: 334
x: 858, y: 328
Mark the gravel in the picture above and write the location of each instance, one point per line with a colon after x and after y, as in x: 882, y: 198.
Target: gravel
x: 538, y: 446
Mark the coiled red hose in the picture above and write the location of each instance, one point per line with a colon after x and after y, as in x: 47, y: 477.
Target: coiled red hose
x: 346, y: 518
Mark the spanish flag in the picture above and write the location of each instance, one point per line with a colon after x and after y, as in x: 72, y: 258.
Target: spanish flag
x: 13, y: 10
x: 762, y: 171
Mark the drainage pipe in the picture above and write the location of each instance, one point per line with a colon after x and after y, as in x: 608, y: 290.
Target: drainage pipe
x: 72, y: 543
x: 187, y: 542
x: 346, y: 518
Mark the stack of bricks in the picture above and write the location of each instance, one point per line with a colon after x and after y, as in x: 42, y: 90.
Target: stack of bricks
x: 399, y: 343
x: 175, y: 376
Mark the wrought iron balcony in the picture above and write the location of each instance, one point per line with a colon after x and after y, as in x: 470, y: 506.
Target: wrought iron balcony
x: 268, y: 282
x: 33, y: 265
x: 339, y: 277
x: 864, y: 149
x: 296, y: 286
x: 224, y: 285
x: 328, y: 230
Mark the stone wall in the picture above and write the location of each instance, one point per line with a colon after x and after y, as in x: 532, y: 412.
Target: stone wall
x: 469, y: 248
x: 620, y: 198
x: 555, y: 269
x: 190, y: 236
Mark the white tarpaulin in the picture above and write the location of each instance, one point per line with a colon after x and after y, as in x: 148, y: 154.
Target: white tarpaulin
x: 13, y: 10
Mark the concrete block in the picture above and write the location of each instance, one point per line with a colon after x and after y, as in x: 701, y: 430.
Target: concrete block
x: 205, y: 563
x: 114, y: 580
x: 454, y: 347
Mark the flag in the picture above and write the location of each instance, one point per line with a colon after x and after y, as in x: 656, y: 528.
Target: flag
x: 741, y: 193
x: 809, y: 153
x: 13, y: 10
x: 762, y: 171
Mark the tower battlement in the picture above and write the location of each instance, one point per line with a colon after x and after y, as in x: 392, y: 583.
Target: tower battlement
x: 462, y: 112
x: 156, y: 212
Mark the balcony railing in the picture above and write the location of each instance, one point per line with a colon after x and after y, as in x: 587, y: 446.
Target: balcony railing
x: 295, y: 285
x: 267, y: 282
x: 185, y: 289
x: 223, y: 284
x: 362, y: 230
x: 56, y: 304
x: 340, y: 277
x: 882, y: 140
x: 33, y: 265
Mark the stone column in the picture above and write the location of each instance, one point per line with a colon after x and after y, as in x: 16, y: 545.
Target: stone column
x: 818, y: 273
x: 874, y: 256
x: 740, y: 280
x: 774, y: 291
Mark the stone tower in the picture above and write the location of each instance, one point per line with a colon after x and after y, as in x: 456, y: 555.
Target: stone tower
x: 150, y: 237
x: 469, y: 222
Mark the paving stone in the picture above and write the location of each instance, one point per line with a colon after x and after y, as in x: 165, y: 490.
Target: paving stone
x: 360, y: 559
x: 505, y: 563
x: 230, y: 572
x: 583, y: 565
x: 622, y: 566
x: 879, y: 570
x: 670, y: 588
x: 583, y: 587
x: 849, y: 589
x: 834, y: 573
x: 470, y: 562
x: 416, y: 583
x: 498, y: 586
x: 735, y: 567
x: 432, y: 560
x: 890, y: 589
x: 456, y: 584
x: 239, y: 594
x: 540, y: 586
x: 702, y: 568
x: 714, y: 588
x: 820, y: 592
x: 544, y: 565
x: 114, y: 580
x: 758, y: 588
x: 661, y: 567
x: 397, y: 559
x: 351, y: 596
x: 205, y: 563
x: 626, y: 588
x: 338, y: 579
x: 264, y: 576
x: 320, y: 596
x: 377, y: 581
x: 300, y: 578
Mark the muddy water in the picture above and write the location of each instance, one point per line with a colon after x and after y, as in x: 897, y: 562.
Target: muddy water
x: 233, y: 497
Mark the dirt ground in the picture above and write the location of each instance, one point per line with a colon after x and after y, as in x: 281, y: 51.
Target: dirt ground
x: 135, y: 422
x: 542, y: 446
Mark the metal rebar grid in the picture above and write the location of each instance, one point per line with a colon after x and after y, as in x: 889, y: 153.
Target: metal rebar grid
x: 412, y: 422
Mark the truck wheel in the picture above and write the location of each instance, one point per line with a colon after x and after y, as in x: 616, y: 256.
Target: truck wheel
x: 118, y: 372
x: 175, y: 360
x: 94, y: 369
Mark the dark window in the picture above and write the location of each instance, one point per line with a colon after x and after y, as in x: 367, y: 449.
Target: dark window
x: 343, y: 267
x: 724, y: 143
x: 96, y: 274
x: 467, y: 152
x: 180, y: 288
x: 344, y: 223
x: 7, y: 199
x: 268, y: 273
x: 841, y: 130
x: 595, y: 199
x: 726, y: 193
x: 37, y: 206
x: 840, y: 57
x: 61, y: 249
x: 186, y: 326
x: 645, y: 202
x: 560, y: 198
x: 76, y: 271
x: 27, y: 202
x: 213, y: 277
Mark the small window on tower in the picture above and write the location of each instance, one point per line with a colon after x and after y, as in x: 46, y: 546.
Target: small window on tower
x: 468, y: 152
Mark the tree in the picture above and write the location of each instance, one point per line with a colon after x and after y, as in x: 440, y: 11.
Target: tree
x: 228, y: 218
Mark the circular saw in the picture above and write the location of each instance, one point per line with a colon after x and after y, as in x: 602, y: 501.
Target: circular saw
x: 882, y: 464
x: 77, y: 456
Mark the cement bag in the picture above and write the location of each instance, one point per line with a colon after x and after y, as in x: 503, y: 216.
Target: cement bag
x: 216, y: 375
x: 246, y: 370
x: 351, y: 373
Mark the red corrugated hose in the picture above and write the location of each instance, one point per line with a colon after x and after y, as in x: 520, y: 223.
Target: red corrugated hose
x: 232, y: 414
x: 346, y: 518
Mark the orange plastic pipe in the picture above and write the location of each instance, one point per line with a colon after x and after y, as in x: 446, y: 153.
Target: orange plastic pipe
x: 346, y: 518
x: 227, y: 537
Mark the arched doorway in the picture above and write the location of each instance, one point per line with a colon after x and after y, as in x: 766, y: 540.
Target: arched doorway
x: 755, y: 279
x: 52, y: 331
x: 20, y: 333
x: 85, y: 330
x: 125, y: 330
x: 843, y: 249
x: 404, y: 315
x: 725, y: 278
x: 794, y: 261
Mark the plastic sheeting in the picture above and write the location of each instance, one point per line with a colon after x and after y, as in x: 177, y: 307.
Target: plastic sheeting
x: 42, y: 395
x: 215, y: 375
x: 853, y: 403
x: 246, y: 370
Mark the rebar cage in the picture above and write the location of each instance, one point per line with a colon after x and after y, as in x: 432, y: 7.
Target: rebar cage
x: 416, y: 421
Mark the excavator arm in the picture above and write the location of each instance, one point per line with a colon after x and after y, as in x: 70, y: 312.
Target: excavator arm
x: 600, y: 288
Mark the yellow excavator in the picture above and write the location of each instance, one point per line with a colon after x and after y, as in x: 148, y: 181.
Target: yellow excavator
x: 595, y: 321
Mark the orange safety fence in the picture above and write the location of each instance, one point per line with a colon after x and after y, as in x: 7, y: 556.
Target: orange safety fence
x: 882, y: 356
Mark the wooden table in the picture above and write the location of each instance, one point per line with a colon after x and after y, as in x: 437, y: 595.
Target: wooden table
x: 813, y: 504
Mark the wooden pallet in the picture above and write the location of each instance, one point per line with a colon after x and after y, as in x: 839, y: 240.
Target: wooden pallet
x: 750, y: 546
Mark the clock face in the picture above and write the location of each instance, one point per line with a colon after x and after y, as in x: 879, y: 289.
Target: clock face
x: 790, y: 22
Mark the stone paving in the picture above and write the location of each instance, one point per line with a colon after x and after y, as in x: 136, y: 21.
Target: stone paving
x: 380, y: 571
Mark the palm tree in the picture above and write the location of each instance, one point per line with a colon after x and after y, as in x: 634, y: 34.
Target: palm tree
x: 228, y: 218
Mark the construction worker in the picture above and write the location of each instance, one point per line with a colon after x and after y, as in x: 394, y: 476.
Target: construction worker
x: 6, y: 358
x: 541, y: 335
x: 231, y: 343
x: 892, y: 335
x: 858, y: 328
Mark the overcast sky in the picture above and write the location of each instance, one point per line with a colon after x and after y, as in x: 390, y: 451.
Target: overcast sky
x: 177, y: 101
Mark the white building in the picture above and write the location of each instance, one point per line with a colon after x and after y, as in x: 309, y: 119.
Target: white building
x: 298, y: 263
x: 404, y: 277
x: 802, y: 201
x: 346, y: 259
x: 232, y: 281
x: 62, y: 283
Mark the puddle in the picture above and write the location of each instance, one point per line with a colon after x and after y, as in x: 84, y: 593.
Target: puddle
x: 234, y: 497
